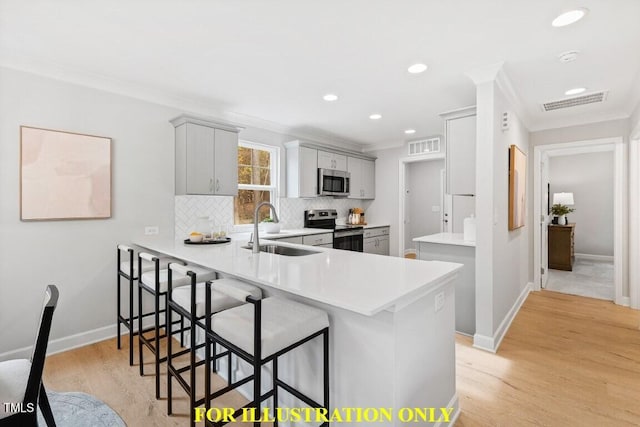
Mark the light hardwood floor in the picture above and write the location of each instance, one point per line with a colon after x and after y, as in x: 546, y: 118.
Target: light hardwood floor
x: 566, y: 361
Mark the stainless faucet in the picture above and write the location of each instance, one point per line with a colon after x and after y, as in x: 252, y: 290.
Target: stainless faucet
x: 256, y: 239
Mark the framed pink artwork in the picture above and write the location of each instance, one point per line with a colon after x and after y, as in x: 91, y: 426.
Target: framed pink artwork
x: 64, y: 175
x: 517, y: 187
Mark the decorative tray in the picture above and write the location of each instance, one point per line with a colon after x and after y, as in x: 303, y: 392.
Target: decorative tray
x: 208, y: 241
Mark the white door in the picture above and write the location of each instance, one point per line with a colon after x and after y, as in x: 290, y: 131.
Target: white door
x: 544, y: 221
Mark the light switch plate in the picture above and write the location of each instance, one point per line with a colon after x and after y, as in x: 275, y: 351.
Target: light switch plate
x: 439, y: 301
x: 435, y: 208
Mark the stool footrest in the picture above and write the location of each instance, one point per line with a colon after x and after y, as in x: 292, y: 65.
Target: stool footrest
x: 306, y: 399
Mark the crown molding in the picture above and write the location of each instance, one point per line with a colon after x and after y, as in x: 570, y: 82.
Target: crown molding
x: 486, y: 73
x: 567, y: 122
x: 187, y: 104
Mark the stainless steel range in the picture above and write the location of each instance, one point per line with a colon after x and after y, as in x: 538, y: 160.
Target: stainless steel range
x: 347, y: 237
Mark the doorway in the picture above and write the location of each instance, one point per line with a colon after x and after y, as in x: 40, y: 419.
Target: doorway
x: 584, y: 184
x: 543, y: 196
x: 420, y: 198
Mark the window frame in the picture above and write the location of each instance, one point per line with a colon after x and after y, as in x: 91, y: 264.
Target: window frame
x: 274, y: 188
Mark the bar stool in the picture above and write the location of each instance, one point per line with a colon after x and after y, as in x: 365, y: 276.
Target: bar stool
x: 156, y: 283
x: 128, y: 270
x: 189, y: 302
x: 259, y: 333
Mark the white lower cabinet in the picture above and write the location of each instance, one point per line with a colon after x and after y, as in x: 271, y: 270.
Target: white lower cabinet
x: 376, y: 241
x: 318, y: 239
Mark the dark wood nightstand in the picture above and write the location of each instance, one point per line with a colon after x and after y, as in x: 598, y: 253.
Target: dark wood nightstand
x: 561, y: 254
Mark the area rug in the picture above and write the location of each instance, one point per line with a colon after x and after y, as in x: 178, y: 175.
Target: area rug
x: 77, y: 409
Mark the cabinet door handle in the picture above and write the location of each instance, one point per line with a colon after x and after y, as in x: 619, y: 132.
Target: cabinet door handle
x: 217, y: 184
x: 210, y: 185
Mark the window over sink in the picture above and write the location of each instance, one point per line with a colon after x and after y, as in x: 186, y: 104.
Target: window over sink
x: 257, y: 181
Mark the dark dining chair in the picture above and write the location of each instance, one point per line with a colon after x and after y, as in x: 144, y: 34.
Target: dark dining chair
x: 21, y: 388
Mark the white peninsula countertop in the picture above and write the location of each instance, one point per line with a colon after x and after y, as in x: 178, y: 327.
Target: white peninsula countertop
x: 392, y: 321
x: 446, y: 239
x: 354, y: 281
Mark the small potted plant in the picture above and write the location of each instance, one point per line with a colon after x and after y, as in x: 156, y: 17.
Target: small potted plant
x: 270, y: 226
x: 561, y: 211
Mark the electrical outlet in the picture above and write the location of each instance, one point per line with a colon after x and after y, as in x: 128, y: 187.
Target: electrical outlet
x: 151, y: 230
x: 439, y: 301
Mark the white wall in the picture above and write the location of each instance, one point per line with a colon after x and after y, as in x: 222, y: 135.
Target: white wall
x: 502, y: 256
x: 384, y: 209
x: 78, y: 256
x: 599, y: 130
x: 423, y: 186
x: 582, y: 132
x: 590, y: 178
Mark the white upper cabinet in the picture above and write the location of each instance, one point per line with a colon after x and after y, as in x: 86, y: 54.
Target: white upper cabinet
x: 305, y: 158
x: 460, y: 134
x: 302, y: 171
x: 362, y: 176
x: 206, y: 157
x: 328, y: 160
x: 369, y: 179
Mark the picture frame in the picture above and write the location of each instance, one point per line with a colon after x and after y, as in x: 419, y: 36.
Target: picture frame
x: 517, y: 187
x: 64, y: 175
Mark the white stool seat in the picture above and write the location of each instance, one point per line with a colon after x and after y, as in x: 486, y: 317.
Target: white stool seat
x: 13, y: 382
x: 149, y: 278
x: 146, y: 265
x: 284, y: 322
x: 219, y: 299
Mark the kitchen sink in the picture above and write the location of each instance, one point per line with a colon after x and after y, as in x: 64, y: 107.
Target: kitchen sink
x: 283, y: 250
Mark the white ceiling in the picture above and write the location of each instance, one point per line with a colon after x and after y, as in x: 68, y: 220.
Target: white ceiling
x: 274, y: 60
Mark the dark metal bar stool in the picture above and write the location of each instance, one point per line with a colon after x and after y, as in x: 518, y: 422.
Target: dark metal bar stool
x: 155, y: 283
x: 260, y: 332
x: 189, y: 302
x: 128, y: 270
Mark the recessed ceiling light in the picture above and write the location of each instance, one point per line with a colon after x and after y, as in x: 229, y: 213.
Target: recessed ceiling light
x: 330, y: 97
x: 375, y: 116
x: 575, y: 91
x: 568, y: 56
x: 410, y: 131
x: 569, y: 17
x: 417, y: 68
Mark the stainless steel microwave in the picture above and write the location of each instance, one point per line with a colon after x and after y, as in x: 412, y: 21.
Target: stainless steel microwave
x: 333, y: 182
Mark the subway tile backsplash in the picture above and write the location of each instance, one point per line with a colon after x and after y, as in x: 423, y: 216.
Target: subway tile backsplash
x: 220, y: 208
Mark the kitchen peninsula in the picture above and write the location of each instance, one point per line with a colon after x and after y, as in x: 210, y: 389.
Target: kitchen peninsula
x: 392, y: 319
x: 452, y: 247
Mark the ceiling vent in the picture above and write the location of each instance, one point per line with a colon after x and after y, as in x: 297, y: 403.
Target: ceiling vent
x: 591, y: 98
x: 424, y: 146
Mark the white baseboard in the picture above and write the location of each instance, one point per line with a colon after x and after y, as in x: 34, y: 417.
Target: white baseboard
x: 65, y: 343
x: 595, y: 257
x: 455, y: 404
x: 70, y: 342
x: 624, y: 301
x: 491, y: 344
